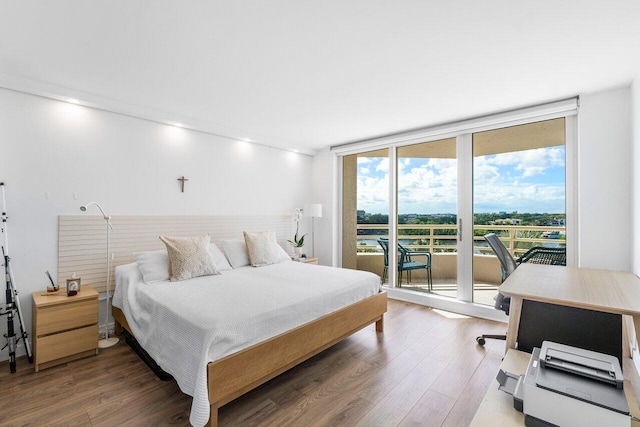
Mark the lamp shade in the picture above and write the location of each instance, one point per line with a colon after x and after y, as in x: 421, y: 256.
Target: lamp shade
x: 314, y: 210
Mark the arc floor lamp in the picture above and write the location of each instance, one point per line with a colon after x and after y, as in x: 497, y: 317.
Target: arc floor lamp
x: 107, y: 341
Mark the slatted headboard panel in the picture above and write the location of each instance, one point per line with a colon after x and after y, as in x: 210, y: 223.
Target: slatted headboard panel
x: 82, y: 239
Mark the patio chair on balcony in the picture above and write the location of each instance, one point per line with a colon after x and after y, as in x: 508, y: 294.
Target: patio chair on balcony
x: 406, y: 262
x: 536, y: 255
x: 543, y: 255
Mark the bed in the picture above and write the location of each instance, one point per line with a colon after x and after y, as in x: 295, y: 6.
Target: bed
x: 305, y: 309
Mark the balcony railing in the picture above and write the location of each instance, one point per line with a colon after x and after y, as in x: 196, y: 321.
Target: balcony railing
x: 439, y: 238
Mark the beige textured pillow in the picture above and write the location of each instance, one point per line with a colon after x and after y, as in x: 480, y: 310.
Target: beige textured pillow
x: 262, y: 247
x: 189, y: 257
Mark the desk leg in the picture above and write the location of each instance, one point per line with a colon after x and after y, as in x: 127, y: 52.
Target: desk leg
x: 515, y: 308
x: 627, y: 335
x: 636, y: 325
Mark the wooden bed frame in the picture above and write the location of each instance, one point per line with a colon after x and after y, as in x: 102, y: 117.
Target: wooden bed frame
x: 236, y: 374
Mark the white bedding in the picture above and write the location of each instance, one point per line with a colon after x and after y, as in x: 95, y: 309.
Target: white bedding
x: 185, y: 325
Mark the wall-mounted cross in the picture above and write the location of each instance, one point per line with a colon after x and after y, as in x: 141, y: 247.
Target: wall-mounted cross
x: 182, y: 181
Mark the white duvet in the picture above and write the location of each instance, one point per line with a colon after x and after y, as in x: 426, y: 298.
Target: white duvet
x: 185, y: 325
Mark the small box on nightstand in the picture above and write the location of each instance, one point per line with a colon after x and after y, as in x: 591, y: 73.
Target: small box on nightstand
x: 313, y: 261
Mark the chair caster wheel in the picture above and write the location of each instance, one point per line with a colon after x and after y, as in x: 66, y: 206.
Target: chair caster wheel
x: 480, y: 341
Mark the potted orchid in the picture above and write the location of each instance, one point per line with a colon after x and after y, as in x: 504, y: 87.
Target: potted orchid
x: 297, y: 242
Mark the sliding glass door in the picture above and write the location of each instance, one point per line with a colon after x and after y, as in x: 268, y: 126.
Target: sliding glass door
x: 436, y: 198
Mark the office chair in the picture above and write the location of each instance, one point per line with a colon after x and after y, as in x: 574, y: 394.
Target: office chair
x: 507, y: 266
x: 535, y: 255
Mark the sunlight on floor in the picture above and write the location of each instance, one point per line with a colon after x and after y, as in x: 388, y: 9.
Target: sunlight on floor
x: 450, y: 315
x: 483, y: 293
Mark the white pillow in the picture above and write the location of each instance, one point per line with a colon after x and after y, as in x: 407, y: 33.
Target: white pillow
x: 189, y: 257
x: 219, y: 258
x: 263, y: 248
x: 154, y: 265
x: 238, y: 256
x: 236, y: 252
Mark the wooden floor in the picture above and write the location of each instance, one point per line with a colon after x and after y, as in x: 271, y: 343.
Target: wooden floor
x: 425, y: 369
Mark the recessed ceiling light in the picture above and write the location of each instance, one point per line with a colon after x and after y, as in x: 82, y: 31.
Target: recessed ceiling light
x: 246, y: 139
x: 73, y: 101
x: 180, y: 125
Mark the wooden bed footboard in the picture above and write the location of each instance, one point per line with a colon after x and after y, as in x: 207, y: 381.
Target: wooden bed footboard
x: 236, y: 374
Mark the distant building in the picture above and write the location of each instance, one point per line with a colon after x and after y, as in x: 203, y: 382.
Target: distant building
x: 558, y: 222
x: 361, y: 214
x: 507, y: 221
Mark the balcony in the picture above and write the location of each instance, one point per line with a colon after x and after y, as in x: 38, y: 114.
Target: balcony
x: 441, y: 241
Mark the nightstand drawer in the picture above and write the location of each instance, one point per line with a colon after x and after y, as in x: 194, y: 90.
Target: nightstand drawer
x: 67, y: 343
x: 64, y: 317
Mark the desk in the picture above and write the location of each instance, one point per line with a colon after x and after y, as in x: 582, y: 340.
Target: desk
x: 601, y: 290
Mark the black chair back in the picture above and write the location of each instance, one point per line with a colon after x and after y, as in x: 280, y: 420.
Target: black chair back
x: 543, y: 255
x: 507, y: 263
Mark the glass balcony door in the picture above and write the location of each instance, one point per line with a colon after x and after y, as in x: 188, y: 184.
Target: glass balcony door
x: 519, y: 176
x: 427, y: 193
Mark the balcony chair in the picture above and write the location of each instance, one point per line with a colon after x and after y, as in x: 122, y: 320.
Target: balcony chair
x: 406, y: 262
x: 536, y: 255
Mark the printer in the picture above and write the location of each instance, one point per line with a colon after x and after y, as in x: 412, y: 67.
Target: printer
x: 569, y: 386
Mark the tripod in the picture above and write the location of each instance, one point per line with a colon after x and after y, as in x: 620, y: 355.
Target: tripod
x: 12, y: 308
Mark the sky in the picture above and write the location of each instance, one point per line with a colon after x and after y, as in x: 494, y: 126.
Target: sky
x: 531, y: 181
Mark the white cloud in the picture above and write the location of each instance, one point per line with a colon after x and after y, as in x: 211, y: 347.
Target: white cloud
x: 501, y: 182
x: 373, y: 193
x: 522, y: 197
x: 430, y: 187
x: 383, y: 165
x: 530, y: 162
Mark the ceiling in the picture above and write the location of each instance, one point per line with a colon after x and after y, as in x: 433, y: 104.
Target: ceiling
x: 306, y: 75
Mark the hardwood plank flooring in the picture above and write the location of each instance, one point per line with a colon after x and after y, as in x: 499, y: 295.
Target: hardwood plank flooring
x: 425, y: 369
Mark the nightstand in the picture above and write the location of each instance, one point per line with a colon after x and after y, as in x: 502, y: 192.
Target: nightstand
x: 64, y: 328
x: 313, y: 261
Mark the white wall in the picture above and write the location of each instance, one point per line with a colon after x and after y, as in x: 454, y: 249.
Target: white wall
x: 604, y: 179
x: 322, y: 190
x: 604, y: 150
x: 56, y: 156
x: 635, y: 168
